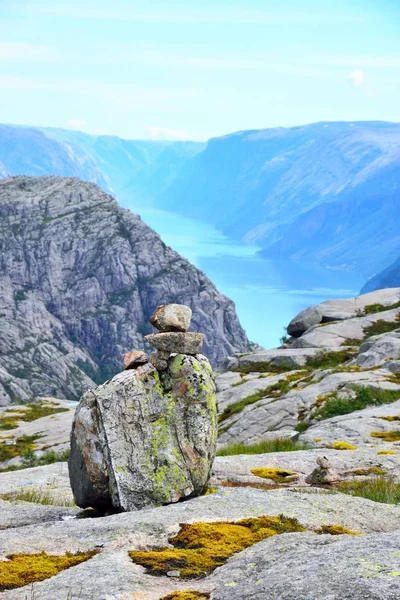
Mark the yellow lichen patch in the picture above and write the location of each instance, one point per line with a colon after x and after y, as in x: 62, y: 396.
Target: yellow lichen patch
x: 23, y: 569
x: 210, y: 490
x: 199, y: 548
x: 387, y: 436
x: 277, y: 475
x: 317, y: 439
x: 341, y: 445
x: 336, y: 530
x: 390, y: 418
x: 186, y: 595
x: 387, y: 452
x: 31, y: 412
x: 369, y: 471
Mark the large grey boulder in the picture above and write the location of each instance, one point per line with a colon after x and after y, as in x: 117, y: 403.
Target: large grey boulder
x: 304, y: 320
x: 340, y: 310
x: 144, y: 438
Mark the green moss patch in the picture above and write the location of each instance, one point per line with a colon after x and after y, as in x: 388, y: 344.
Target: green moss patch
x: 276, y: 475
x: 279, y: 444
x: 371, y: 309
x: 329, y: 360
x: 378, y: 489
x: 199, y: 548
x: 336, y: 530
x: 275, y: 391
x: 24, y: 569
x: 33, y: 412
x: 381, y: 326
x: 333, y: 406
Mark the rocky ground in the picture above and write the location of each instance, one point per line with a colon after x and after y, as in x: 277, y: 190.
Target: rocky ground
x: 346, y: 355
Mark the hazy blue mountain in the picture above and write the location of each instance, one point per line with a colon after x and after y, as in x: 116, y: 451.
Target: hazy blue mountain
x: 388, y: 278
x: 26, y: 150
x: 139, y: 169
x: 142, y: 168
x: 322, y: 192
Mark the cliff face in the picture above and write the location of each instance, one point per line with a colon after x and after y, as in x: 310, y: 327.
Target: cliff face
x: 79, y: 279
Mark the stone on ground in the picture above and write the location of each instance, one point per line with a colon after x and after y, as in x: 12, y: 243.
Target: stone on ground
x: 182, y: 343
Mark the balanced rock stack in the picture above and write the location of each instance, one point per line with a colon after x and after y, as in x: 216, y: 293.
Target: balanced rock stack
x: 173, y: 321
x: 148, y: 436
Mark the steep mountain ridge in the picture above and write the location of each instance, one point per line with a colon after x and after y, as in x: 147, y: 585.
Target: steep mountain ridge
x: 79, y: 278
x: 264, y: 186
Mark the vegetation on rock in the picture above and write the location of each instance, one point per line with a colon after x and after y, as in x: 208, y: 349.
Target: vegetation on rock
x: 33, y: 411
x: 387, y: 436
x: 19, y: 446
x: 342, y: 445
x: 279, y: 444
x: 38, y: 496
x: 199, y: 548
x: 22, y: 569
x: 364, y: 397
x: 277, y: 475
x: 186, y: 595
x: 378, y: 489
x: 336, y: 530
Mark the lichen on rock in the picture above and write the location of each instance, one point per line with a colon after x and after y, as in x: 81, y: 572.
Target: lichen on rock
x: 145, y: 438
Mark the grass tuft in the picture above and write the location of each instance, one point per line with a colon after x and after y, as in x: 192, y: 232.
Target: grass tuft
x: 378, y: 489
x: 38, y: 496
x: 279, y: 444
x: 364, y: 397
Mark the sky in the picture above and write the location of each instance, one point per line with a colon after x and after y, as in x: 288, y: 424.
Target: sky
x: 194, y: 70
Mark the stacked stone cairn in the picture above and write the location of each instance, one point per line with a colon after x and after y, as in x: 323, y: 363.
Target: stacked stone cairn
x: 148, y: 436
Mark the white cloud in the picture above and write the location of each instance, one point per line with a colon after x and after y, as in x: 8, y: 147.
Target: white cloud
x: 76, y: 123
x: 165, y: 133
x: 356, y: 78
x: 24, y: 52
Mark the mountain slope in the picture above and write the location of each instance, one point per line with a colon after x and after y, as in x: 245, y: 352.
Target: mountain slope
x: 388, y: 278
x: 264, y: 186
x: 79, y: 279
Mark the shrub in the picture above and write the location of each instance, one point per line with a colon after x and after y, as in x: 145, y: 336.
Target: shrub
x: 364, y: 397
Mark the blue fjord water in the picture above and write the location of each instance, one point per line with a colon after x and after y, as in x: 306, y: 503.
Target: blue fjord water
x: 267, y: 293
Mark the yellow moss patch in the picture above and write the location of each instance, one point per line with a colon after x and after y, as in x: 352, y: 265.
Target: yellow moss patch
x: 18, y: 447
x: 387, y: 452
x: 23, y: 569
x: 31, y: 413
x: 199, y: 548
x: 387, y: 436
x: 336, y: 530
x: 186, y: 595
x: 369, y: 471
x: 210, y: 490
x: 277, y: 475
x: 341, y: 445
x: 317, y: 439
x: 390, y: 418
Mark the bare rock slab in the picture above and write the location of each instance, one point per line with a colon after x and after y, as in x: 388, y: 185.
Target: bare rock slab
x: 172, y: 317
x: 139, y: 442
x: 134, y: 359
x: 181, y: 343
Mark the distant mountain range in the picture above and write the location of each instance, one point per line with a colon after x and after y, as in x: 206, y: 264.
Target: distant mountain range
x: 327, y: 193
x: 388, y: 278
